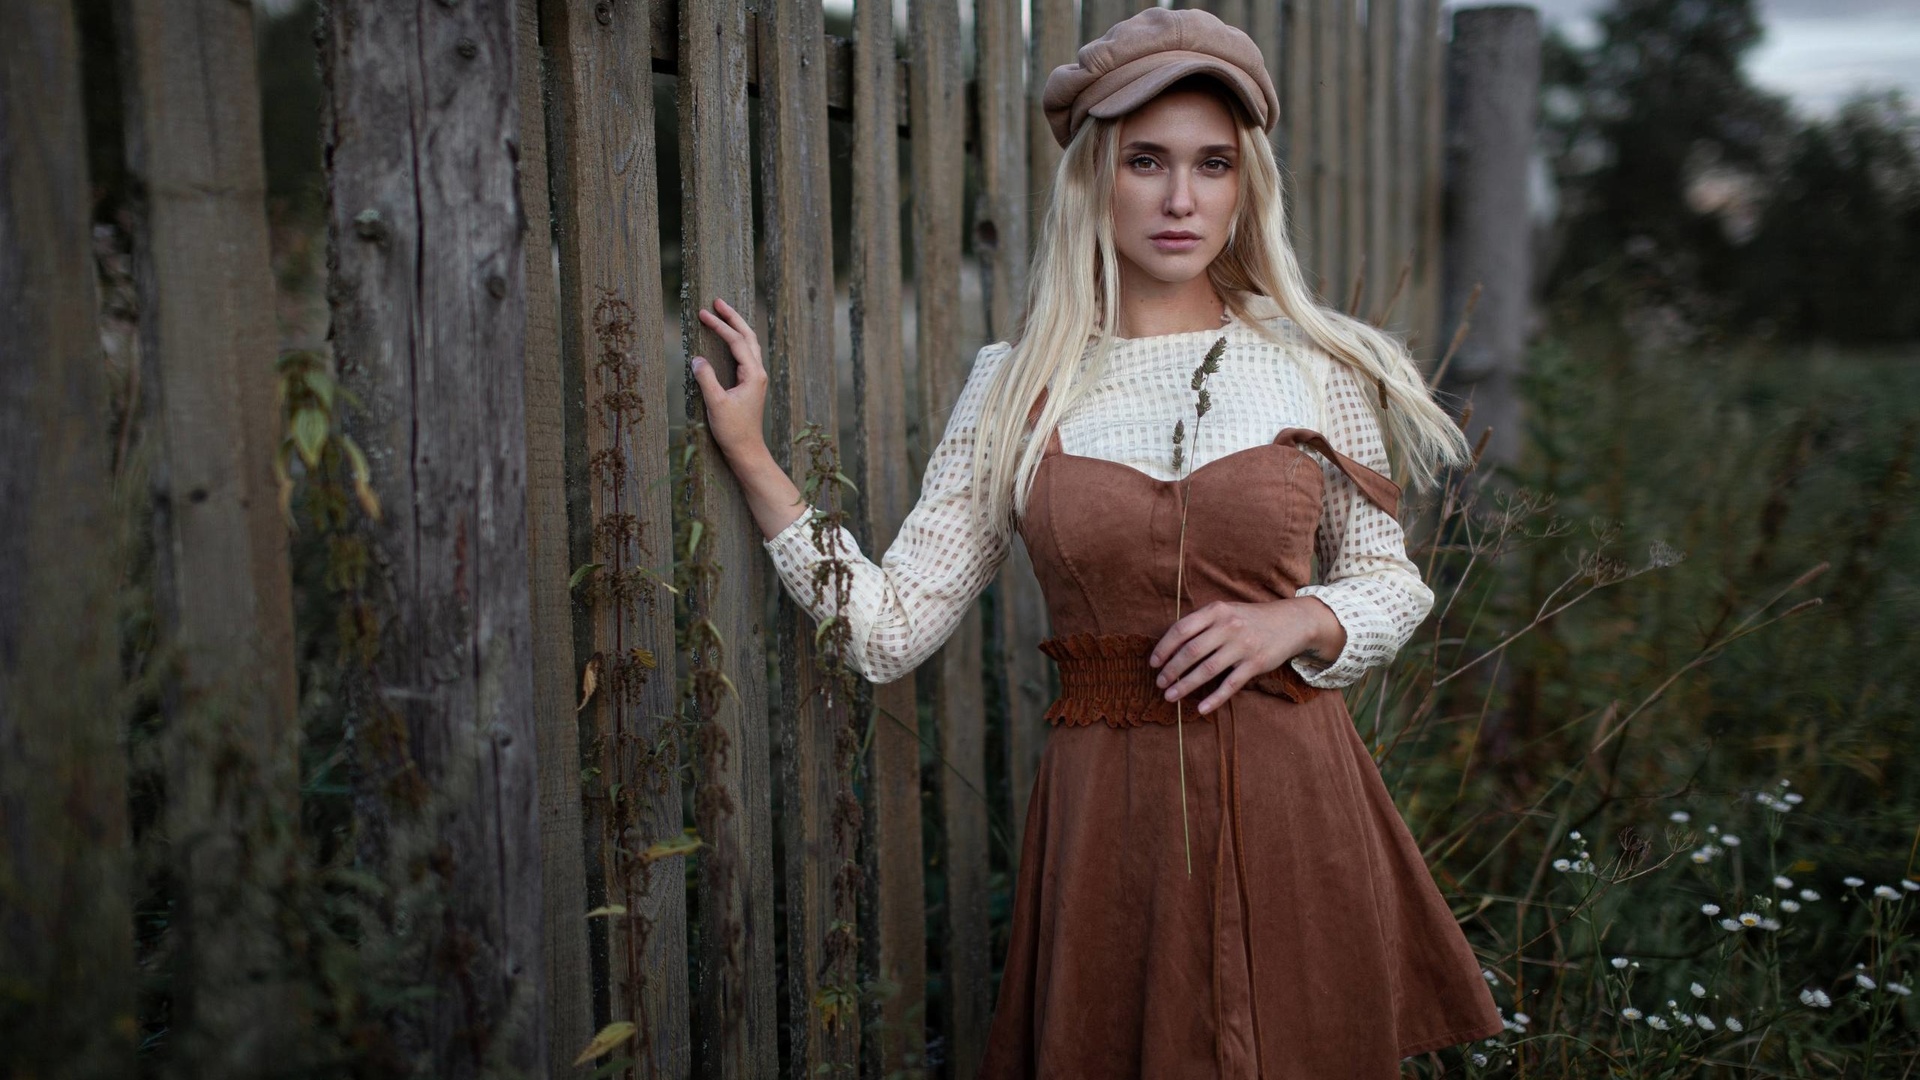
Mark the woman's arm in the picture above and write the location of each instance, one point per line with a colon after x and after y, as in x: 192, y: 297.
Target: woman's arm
x: 903, y: 609
x: 1366, y: 579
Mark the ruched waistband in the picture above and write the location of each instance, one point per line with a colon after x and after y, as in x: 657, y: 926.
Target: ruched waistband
x: 1107, y: 677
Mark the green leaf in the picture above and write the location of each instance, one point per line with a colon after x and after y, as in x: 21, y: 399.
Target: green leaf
x: 820, y: 631
x: 842, y: 477
x: 323, y: 386
x: 581, y: 575
x: 310, y: 435
x: 694, y: 533
x: 610, y: 1037
x: 362, y: 488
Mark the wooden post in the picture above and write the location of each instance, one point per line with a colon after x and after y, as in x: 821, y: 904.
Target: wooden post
x: 894, y: 939
x: 429, y: 320
x: 1303, y: 155
x: 66, y: 932
x: 1055, y: 42
x: 1263, y: 25
x: 937, y: 125
x: 569, y: 970
x: 1098, y: 16
x: 612, y: 322
x: 1383, y: 17
x: 1000, y: 239
x: 1493, y: 77
x: 821, y: 842
x: 1431, y: 48
x: 223, y: 591
x: 736, y: 1010
x: 1353, y: 185
x: 1330, y: 128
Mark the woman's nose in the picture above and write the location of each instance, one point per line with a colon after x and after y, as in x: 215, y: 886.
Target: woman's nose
x: 1179, y: 193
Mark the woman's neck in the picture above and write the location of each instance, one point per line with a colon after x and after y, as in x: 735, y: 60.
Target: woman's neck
x: 1151, y: 308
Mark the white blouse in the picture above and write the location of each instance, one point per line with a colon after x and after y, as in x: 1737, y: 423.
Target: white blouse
x: 900, y: 611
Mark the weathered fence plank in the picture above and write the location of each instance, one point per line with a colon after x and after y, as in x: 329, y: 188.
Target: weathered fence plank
x: 429, y: 320
x: 736, y: 1010
x: 1055, y: 42
x: 1330, y: 172
x: 1431, y: 169
x: 821, y: 832
x: 607, y: 216
x: 1302, y: 158
x: 1353, y: 110
x: 1000, y: 240
x: 1493, y: 82
x: 66, y: 931
x: 1383, y: 18
x: 894, y: 919
x: 569, y: 970
x: 223, y: 591
x: 937, y: 119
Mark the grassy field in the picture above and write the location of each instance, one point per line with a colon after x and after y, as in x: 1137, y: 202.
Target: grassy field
x: 1656, y: 741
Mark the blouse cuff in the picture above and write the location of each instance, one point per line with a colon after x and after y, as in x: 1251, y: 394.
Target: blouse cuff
x: 1356, y: 617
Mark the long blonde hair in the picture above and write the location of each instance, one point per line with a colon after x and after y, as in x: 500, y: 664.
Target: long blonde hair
x: 1070, y: 302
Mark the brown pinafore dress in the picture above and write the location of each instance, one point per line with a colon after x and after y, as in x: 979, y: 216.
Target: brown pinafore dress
x: 1309, y: 942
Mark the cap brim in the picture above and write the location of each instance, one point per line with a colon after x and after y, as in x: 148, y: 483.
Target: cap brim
x: 1143, y: 89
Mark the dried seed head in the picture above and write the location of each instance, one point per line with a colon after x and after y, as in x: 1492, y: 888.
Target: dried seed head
x: 1179, y: 432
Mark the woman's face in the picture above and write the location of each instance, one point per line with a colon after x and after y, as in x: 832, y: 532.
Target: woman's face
x: 1176, y: 185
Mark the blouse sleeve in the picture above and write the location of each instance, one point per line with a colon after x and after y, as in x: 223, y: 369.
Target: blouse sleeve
x: 1365, y: 576
x: 900, y: 611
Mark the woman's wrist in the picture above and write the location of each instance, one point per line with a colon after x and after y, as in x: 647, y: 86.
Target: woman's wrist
x: 771, y: 495
x: 1326, y: 635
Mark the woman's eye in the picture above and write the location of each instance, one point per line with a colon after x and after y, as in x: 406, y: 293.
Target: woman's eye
x: 1223, y: 164
x: 1136, y: 161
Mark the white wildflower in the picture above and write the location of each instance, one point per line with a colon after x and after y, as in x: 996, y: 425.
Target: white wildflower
x: 1793, y: 797
x: 1562, y: 864
x: 1852, y: 882
x: 1899, y: 988
x: 1729, y: 924
x: 1816, y: 999
x: 1809, y: 895
x: 1681, y: 816
x: 1703, y: 1022
x: 1657, y: 1023
x: 1710, y: 909
x: 1489, y: 976
x: 1522, y: 1019
x: 1630, y: 1014
x: 1885, y: 892
x: 1619, y: 962
x: 1479, y: 1059
x: 1789, y: 906
x: 1865, y: 980
x: 1783, y: 882
x: 1769, y: 923
x: 1730, y: 840
x: 1910, y: 885
x: 1748, y: 918
x: 1698, y: 990
x: 1733, y: 1024
x: 1575, y: 836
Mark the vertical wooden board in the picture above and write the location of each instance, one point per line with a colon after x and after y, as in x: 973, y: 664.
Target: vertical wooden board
x: 1055, y: 37
x: 1098, y: 16
x: 1353, y: 224
x: 223, y: 590
x: 736, y: 1011
x: 1408, y: 101
x: 569, y: 972
x: 429, y: 321
x: 66, y: 940
x: 1001, y: 239
x: 819, y: 843
x: 895, y: 951
x: 1330, y: 127
x: 937, y: 120
x: 1383, y: 16
x: 1303, y: 155
x: 607, y: 211
x: 1432, y: 171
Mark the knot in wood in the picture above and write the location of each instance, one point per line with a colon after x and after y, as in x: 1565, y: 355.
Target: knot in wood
x: 603, y: 13
x: 497, y: 287
x: 368, y: 225
x: 467, y: 49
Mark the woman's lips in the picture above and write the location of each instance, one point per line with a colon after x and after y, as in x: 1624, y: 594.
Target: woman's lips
x: 1175, y: 243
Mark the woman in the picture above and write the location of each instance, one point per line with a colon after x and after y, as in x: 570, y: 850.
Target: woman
x: 1214, y: 880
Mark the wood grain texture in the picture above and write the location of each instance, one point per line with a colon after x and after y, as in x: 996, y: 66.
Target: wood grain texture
x: 1098, y: 16
x: 428, y: 298
x: 222, y: 587
x: 66, y: 931
x: 1000, y: 239
x: 937, y: 121
x: 894, y: 918
x: 736, y: 1014
x: 569, y: 969
x: 1302, y: 158
x: 1431, y: 168
x: 1055, y: 41
x: 822, y: 957
x: 1330, y: 126
x: 1353, y: 221
x: 1383, y: 18
x: 607, y: 212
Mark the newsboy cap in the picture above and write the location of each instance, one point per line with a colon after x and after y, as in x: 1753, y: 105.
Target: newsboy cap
x: 1123, y: 69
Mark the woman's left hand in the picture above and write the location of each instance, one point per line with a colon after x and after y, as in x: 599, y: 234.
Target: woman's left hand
x: 1250, y: 639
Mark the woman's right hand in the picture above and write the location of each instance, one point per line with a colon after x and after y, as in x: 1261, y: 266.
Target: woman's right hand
x: 733, y: 416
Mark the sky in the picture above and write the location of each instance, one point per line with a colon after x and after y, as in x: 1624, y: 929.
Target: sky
x: 1816, y: 52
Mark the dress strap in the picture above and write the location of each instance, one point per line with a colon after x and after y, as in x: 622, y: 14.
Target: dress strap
x: 1053, y: 438
x: 1379, y: 490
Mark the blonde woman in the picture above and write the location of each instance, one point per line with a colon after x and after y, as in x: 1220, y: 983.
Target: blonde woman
x: 1214, y: 881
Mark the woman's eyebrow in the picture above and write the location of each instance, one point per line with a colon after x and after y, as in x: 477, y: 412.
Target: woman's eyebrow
x: 1156, y: 148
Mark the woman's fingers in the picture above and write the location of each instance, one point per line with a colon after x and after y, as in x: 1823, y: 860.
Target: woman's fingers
x: 1200, y: 659
x: 736, y: 331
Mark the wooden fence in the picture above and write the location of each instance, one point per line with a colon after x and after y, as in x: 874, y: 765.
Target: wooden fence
x: 563, y: 593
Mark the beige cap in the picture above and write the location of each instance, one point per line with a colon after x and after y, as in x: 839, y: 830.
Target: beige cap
x: 1123, y: 69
